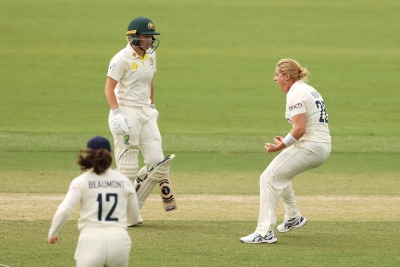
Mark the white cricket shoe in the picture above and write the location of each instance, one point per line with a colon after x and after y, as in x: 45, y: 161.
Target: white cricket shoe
x: 256, y: 238
x: 296, y: 222
x: 140, y: 221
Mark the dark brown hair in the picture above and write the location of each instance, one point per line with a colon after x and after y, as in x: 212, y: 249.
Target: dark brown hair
x: 99, y: 160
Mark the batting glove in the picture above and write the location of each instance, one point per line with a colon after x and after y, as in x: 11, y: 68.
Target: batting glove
x: 119, y: 124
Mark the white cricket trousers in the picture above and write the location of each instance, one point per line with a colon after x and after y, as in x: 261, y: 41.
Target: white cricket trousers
x: 275, y: 181
x: 103, y: 246
x: 143, y: 134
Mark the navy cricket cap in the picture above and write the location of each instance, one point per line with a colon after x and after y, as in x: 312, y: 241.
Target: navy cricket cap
x: 98, y: 142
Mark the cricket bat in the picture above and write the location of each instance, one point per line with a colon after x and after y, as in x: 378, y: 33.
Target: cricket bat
x: 167, y: 194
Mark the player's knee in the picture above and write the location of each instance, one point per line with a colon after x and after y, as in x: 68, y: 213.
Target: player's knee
x: 128, y: 163
x: 150, y: 164
x: 152, y: 153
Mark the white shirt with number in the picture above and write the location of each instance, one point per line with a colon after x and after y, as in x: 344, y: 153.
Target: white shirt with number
x: 303, y: 98
x: 108, y: 199
x: 134, y: 75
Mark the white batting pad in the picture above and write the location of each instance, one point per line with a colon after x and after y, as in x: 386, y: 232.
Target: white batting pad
x: 143, y: 189
x: 161, y: 169
x: 128, y: 163
x: 147, y: 180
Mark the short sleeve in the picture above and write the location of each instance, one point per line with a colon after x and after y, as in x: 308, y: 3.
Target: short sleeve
x: 295, y: 104
x: 116, y: 68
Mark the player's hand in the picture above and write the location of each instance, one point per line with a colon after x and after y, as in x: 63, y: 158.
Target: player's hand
x: 270, y: 148
x: 119, y: 124
x: 52, y: 240
x: 278, y: 139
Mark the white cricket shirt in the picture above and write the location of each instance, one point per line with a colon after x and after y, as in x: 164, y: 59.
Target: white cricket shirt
x: 106, y: 200
x: 134, y: 75
x: 303, y: 98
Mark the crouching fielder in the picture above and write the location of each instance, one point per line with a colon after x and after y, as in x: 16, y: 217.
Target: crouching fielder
x: 306, y: 146
x: 108, y: 205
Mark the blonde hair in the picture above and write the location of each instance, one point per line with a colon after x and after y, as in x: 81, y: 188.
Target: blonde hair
x: 293, y: 68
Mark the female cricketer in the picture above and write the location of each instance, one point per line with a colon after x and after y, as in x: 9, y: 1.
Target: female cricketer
x: 306, y: 146
x: 133, y: 118
x: 108, y: 205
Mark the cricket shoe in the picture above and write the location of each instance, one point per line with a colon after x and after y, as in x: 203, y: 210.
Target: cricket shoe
x: 297, y: 222
x: 140, y: 221
x: 256, y: 238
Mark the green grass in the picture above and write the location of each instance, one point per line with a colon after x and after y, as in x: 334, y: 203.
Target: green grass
x: 217, y: 244
x: 218, y: 106
x: 205, y: 162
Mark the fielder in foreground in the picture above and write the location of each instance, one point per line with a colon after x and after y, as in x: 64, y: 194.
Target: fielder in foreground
x: 133, y: 117
x: 306, y: 146
x: 108, y: 205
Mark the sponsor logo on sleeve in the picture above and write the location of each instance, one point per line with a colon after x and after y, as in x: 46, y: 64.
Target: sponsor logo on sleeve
x: 296, y: 106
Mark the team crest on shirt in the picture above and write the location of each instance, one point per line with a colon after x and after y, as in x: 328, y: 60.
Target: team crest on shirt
x: 126, y: 139
x: 150, y: 26
x: 151, y: 61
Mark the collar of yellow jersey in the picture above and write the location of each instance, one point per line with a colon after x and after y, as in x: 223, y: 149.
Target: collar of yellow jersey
x: 134, y: 54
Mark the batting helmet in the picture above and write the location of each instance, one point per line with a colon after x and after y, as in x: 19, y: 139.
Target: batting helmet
x: 142, y: 25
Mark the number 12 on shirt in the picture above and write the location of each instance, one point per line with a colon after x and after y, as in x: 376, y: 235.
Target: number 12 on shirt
x: 110, y: 197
